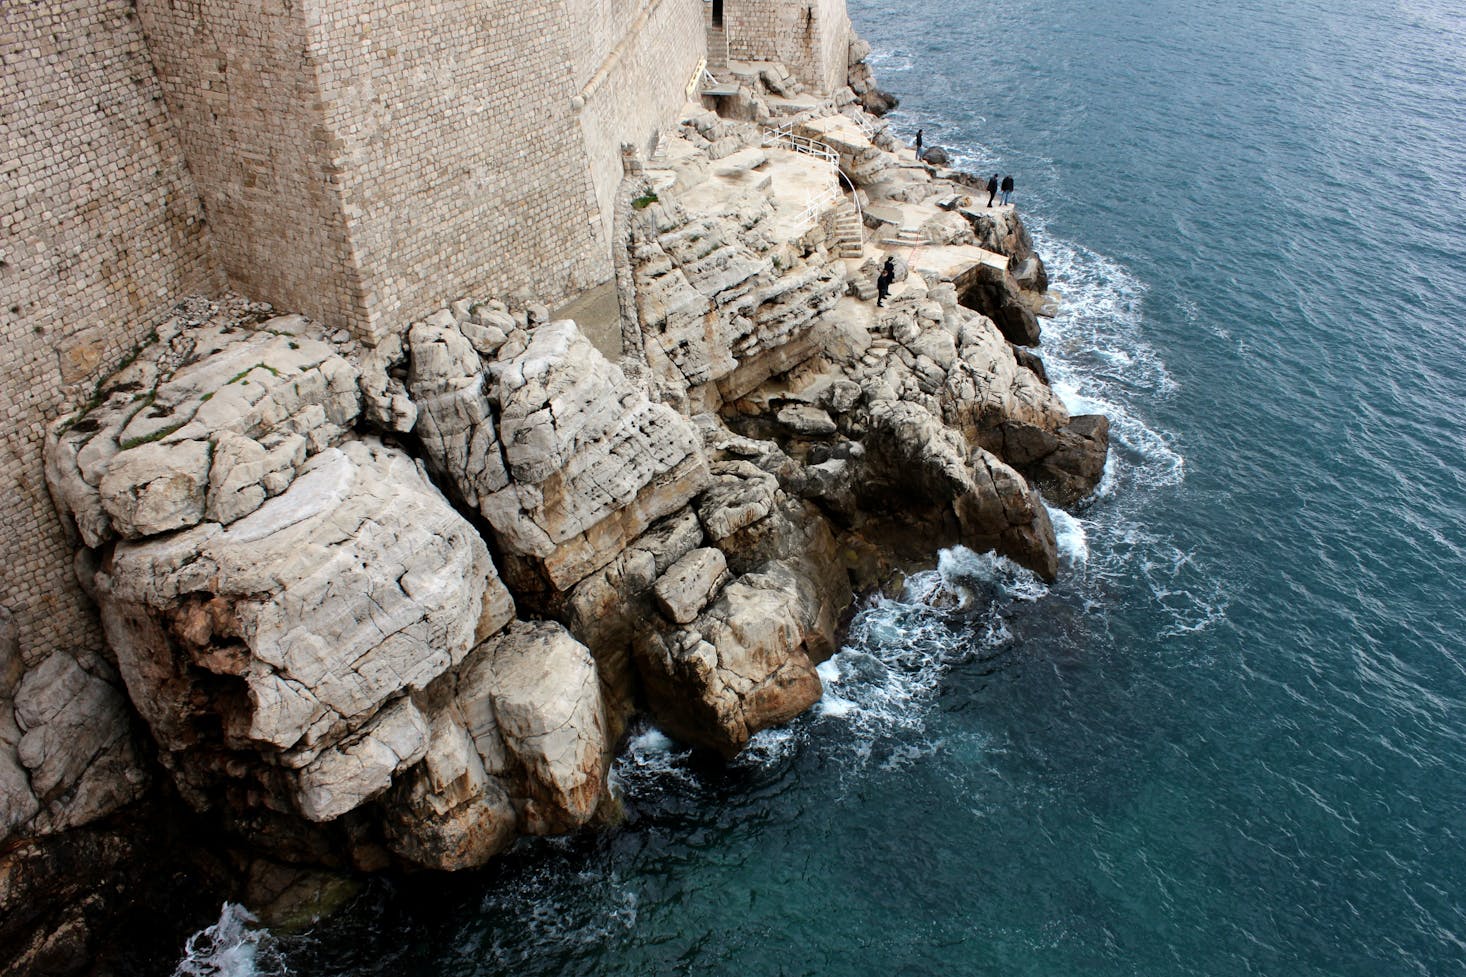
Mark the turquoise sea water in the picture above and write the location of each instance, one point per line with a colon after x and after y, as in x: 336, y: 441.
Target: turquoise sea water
x: 1232, y: 738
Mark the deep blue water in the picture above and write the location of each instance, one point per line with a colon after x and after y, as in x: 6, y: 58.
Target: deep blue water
x: 1230, y: 739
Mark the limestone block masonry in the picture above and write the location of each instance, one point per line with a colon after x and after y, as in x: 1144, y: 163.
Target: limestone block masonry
x: 101, y: 232
x: 810, y: 38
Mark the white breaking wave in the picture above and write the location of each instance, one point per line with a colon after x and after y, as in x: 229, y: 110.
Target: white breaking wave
x: 1072, y: 540
x: 880, y: 687
x: 651, y: 759
x: 235, y: 946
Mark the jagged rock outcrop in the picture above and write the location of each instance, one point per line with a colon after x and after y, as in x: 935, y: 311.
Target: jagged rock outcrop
x: 1000, y: 230
x: 290, y: 642
x: 565, y: 458
x: 1065, y: 464
x: 143, y: 461
x: 862, y: 80
x: 996, y: 294
x: 401, y: 602
x: 931, y: 471
x: 67, y: 755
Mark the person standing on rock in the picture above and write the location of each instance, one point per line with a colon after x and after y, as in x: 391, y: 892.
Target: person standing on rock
x: 884, y: 280
x: 992, y: 189
x: 1007, y: 188
x: 918, y: 144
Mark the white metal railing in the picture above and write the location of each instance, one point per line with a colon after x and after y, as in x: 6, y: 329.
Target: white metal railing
x: 815, y: 202
x: 786, y: 137
x: 863, y: 123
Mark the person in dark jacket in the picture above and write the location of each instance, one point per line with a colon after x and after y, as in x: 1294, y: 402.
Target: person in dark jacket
x: 992, y: 189
x: 918, y: 144
x: 1007, y: 187
x: 884, y: 280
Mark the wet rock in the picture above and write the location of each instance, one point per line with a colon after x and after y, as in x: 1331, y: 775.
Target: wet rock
x: 974, y: 498
x: 1066, y: 464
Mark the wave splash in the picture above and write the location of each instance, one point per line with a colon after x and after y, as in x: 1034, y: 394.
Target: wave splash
x: 235, y: 946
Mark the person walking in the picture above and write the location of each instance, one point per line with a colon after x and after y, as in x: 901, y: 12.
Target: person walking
x: 918, y: 144
x: 1007, y: 188
x: 884, y: 280
x: 992, y: 189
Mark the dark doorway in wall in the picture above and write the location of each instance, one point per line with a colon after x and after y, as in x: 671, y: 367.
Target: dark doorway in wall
x: 717, y: 13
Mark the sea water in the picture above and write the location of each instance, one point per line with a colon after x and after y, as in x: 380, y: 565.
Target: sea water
x: 1231, y: 739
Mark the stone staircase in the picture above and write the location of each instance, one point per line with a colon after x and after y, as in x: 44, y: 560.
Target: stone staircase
x: 906, y: 237
x: 849, y: 232
x: 717, y: 51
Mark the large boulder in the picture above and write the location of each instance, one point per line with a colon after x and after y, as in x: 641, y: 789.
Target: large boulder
x: 518, y: 744
x: 283, y: 645
x: 1001, y: 230
x: 566, y: 459
x: 739, y: 667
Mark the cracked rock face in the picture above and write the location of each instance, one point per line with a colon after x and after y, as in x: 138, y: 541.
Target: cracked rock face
x: 296, y: 631
x: 715, y: 306
x: 565, y: 458
x: 519, y: 747
x: 143, y: 461
x: 67, y: 755
x: 740, y: 666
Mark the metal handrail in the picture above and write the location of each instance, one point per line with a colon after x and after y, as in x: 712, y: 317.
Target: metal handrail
x: 815, y: 147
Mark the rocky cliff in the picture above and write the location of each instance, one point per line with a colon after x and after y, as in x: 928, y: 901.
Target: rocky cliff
x: 396, y: 605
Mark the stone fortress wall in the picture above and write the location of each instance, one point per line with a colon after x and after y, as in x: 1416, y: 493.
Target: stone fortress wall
x: 650, y: 50
x: 361, y: 161
x: 101, y: 232
x: 810, y: 38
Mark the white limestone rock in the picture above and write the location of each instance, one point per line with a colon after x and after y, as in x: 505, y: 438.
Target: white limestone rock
x: 592, y: 462
x: 155, y: 488
x: 357, y: 584
x: 75, y: 743
x: 385, y: 401
x: 138, y: 463
x: 448, y: 813
x: 739, y: 667
x: 352, y: 772
x: 455, y: 419
x: 549, y: 716
x: 690, y: 583
x: 741, y: 494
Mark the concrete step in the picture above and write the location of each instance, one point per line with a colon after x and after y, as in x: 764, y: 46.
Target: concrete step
x: 905, y: 238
